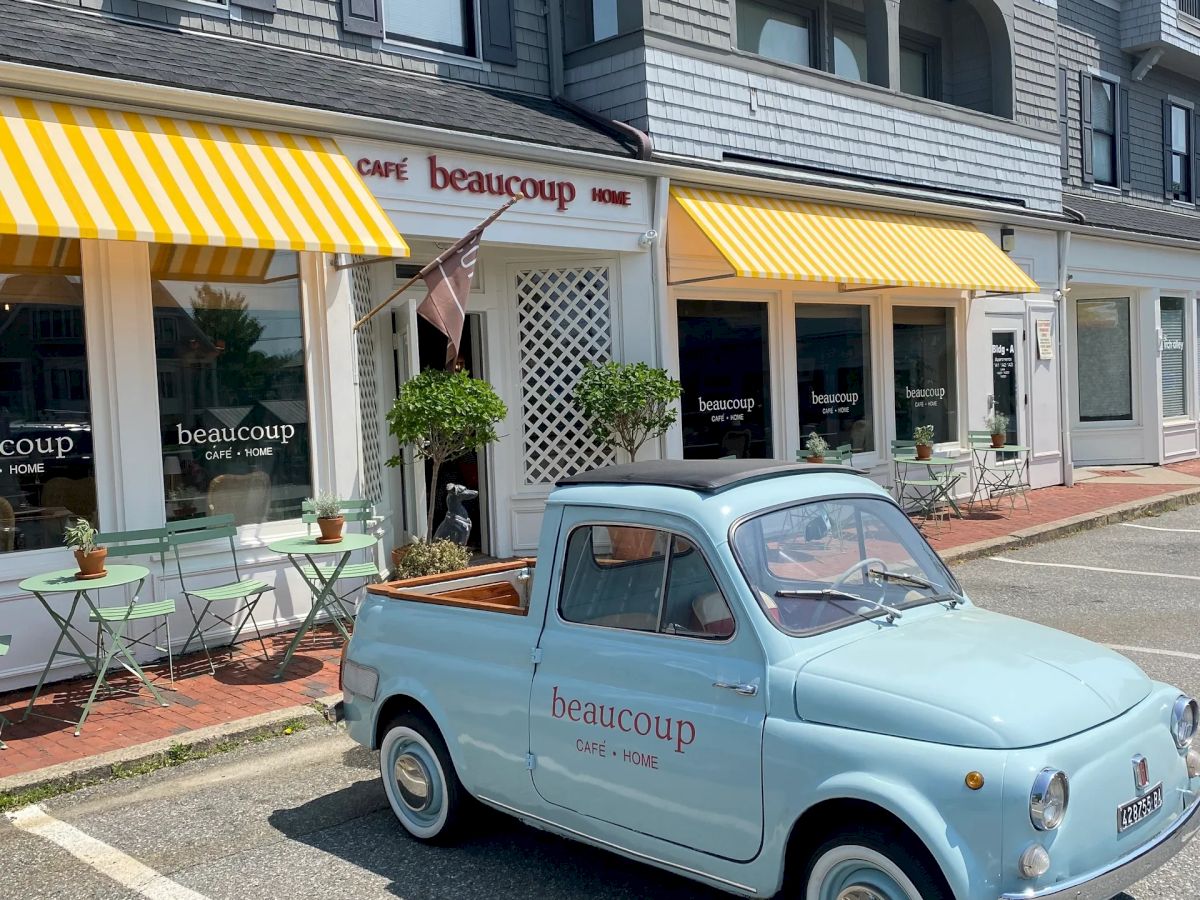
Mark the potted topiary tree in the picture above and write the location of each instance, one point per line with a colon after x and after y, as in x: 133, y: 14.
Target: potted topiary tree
x: 816, y: 447
x: 328, y: 510
x: 626, y: 404
x: 997, y: 426
x: 81, y: 537
x: 443, y: 416
x: 923, y: 438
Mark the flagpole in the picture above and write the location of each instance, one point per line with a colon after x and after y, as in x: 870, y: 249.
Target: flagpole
x: 441, y: 258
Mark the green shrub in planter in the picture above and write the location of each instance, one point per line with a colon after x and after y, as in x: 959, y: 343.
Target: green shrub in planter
x: 431, y: 558
x: 626, y: 404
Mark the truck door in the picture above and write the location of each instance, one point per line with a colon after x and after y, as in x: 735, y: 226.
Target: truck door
x: 647, y: 705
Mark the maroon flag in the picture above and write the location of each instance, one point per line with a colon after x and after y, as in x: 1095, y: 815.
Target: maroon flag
x: 449, y: 281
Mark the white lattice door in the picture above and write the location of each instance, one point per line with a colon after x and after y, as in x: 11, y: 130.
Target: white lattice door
x: 408, y: 363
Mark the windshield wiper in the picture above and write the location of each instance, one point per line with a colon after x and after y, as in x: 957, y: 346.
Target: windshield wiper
x: 833, y: 593
x: 916, y: 581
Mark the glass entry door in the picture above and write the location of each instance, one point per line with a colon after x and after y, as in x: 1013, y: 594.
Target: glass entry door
x: 1007, y: 394
x: 725, y: 368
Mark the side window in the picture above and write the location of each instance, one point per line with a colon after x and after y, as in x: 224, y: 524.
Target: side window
x: 615, y: 577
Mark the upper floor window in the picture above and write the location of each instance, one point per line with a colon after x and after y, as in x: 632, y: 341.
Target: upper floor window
x: 588, y: 21
x: 1178, y: 148
x: 1104, y: 131
x: 850, y: 50
x: 783, y: 33
x: 449, y: 27
x: 920, y: 66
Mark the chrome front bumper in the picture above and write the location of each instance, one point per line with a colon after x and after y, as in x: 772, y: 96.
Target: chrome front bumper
x: 1107, y: 883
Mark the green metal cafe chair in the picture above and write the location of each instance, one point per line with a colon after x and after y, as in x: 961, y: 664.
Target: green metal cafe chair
x: 357, y: 574
x: 215, y: 607
x: 5, y: 643
x: 112, y: 621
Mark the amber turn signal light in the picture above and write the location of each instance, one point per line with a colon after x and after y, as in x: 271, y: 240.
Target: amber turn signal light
x: 974, y: 780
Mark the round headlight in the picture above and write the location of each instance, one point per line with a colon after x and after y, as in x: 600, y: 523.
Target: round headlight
x: 1184, y: 719
x: 1048, y: 799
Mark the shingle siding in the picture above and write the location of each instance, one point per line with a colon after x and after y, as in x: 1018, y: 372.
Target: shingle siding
x: 315, y: 25
x: 1035, y: 94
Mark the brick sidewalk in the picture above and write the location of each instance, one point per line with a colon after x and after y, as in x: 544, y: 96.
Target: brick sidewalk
x: 241, y: 687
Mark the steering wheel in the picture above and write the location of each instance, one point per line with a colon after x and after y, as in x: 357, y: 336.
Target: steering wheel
x: 861, y: 564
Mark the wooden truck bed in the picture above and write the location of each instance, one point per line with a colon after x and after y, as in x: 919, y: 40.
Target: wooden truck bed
x: 495, y: 587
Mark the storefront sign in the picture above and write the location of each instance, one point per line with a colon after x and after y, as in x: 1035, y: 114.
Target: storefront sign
x: 396, y: 169
x: 241, y: 434
x: 1045, y: 343
x: 922, y: 398
x: 25, y: 448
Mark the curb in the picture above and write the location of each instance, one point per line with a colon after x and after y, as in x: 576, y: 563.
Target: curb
x: 1122, y: 512
x: 91, y: 769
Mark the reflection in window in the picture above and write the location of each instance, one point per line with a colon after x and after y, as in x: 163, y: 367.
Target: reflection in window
x: 47, y: 470
x: 444, y: 26
x: 850, y: 51
x: 725, y: 367
x: 588, y: 21
x: 919, y: 69
x: 232, y: 396
x: 1179, y: 178
x: 1174, y: 398
x: 1104, y: 131
x: 923, y: 352
x: 1102, y: 336
x: 833, y: 373
x: 785, y: 34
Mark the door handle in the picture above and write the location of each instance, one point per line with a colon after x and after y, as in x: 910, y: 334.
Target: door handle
x: 746, y: 690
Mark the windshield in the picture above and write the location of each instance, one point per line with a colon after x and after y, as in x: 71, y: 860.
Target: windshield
x: 816, y: 566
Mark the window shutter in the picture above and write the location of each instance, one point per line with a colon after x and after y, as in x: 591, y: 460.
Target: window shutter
x: 1166, y: 149
x: 363, y: 17
x: 1123, y: 115
x: 1085, y: 125
x: 1063, y: 129
x: 264, y: 5
x: 498, y: 41
x: 1195, y: 127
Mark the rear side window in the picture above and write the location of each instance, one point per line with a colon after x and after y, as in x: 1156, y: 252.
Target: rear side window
x: 642, y: 579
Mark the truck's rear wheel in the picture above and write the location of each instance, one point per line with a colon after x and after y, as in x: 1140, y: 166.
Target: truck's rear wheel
x: 419, y: 779
x: 872, y: 864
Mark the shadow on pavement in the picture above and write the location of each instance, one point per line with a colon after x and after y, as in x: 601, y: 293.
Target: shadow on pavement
x: 498, y: 858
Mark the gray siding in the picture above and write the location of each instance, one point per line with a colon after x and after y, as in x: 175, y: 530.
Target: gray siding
x: 1035, y: 97
x: 315, y: 25
x: 704, y: 109
x: 700, y: 21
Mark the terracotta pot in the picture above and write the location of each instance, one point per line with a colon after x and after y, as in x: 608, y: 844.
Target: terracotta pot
x: 814, y: 459
x: 331, y: 528
x: 631, y: 542
x: 398, y: 554
x: 997, y: 441
x: 91, y: 565
x: 924, y: 451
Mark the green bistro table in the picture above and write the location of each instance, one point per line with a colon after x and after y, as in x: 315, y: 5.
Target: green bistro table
x: 303, y: 549
x: 996, y: 477
x: 64, y: 582
x: 938, y: 486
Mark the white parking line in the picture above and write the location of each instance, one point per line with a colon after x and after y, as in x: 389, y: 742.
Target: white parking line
x: 1050, y: 565
x: 1179, y: 653
x: 1158, y: 528
x: 109, y: 861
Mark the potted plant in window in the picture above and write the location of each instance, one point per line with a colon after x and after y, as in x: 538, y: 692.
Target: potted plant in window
x: 816, y: 447
x: 81, y: 537
x: 923, y: 438
x: 328, y: 510
x: 997, y: 425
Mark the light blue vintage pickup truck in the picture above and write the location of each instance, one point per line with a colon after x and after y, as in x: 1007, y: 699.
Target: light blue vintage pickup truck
x: 760, y: 676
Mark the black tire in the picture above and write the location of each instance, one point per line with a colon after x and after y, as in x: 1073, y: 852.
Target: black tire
x: 419, y: 780
x: 890, y: 864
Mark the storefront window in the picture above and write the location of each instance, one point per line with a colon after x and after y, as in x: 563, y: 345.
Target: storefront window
x: 1105, y: 374
x: 924, y: 356
x: 833, y: 374
x: 47, y: 471
x: 231, y: 395
x: 1171, y: 321
x: 725, y: 367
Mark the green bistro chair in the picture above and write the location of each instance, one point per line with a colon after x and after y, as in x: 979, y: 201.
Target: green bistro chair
x: 360, y: 574
x: 5, y: 641
x: 111, y: 621
x: 979, y: 438
x: 238, y: 597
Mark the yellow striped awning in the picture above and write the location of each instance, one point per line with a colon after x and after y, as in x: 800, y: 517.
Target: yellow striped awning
x: 770, y: 237
x: 171, y: 262
x: 84, y: 172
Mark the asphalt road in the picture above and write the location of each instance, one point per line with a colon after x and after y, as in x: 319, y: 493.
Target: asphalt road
x: 306, y: 817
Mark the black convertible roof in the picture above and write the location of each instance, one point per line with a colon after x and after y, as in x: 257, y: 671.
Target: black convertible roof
x: 704, y: 475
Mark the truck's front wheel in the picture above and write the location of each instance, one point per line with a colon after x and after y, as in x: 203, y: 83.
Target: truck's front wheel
x: 419, y: 779
x: 872, y: 864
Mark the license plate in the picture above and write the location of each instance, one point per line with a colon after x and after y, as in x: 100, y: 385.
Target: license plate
x: 1129, y: 814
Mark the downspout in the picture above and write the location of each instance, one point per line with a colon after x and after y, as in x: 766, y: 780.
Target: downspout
x: 1064, y: 397
x: 555, y: 55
